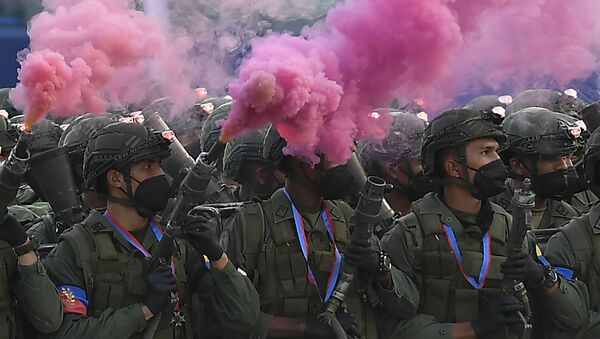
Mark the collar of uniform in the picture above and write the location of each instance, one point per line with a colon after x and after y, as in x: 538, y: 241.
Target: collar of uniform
x: 282, y: 210
x: 595, y: 218
x: 432, y: 204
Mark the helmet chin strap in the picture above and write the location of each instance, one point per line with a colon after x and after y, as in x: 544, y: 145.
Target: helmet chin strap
x: 130, y: 202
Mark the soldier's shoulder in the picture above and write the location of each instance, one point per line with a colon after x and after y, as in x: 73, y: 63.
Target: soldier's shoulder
x: 565, y: 210
x: 499, y: 209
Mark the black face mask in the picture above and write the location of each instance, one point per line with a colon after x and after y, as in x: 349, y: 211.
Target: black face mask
x: 152, y: 195
x: 418, y: 185
x: 489, y: 180
x: 550, y: 185
x: 335, y: 183
x: 575, y: 180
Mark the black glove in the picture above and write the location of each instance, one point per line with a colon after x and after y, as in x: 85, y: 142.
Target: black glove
x: 499, y: 312
x: 363, y: 255
x: 159, y: 284
x: 521, y: 266
x: 12, y: 232
x: 201, y: 228
x: 317, y: 329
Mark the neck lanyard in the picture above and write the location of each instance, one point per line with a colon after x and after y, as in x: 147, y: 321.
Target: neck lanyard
x: 337, y: 262
x: 158, y: 232
x: 156, y: 229
x: 485, y: 265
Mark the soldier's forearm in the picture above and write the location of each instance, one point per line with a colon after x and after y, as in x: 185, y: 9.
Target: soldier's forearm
x: 38, y: 297
x: 221, y: 263
x: 29, y: 258
x: 120, y: 323
x: 463, y: 331
x: 281, y: 327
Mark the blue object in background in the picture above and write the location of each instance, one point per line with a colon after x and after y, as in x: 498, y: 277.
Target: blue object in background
x: 13, y: 38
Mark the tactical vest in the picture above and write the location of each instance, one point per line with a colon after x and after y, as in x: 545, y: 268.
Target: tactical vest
x: 444, y: 293
x: 585, y: 243
x: 275, y: 262
x: 114, y: 279
x: 9, y: 327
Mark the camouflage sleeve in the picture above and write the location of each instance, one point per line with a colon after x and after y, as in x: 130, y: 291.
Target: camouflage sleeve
x: 228, y: 297
x: 38, y: 299
x: 233, y: 241
x: 569, y: 305
x: 234, y: 249
x: 77, y: 323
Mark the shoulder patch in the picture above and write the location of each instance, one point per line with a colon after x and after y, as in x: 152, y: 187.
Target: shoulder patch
x: 562, y: 210
x: 282, y: 211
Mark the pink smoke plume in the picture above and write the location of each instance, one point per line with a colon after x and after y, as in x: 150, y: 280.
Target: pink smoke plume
x: 319, y: 92
x: 88, y: 54
x: 523, y: 43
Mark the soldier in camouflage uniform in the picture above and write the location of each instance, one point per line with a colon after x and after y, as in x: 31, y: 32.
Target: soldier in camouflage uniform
x: 265, y: 242
x: 99, y: 265
x: 75, y: 138
x: 577, y: 193
x: 27, y: 296
x: 217, y: 191
x: 397, y: 159
x: 244, y: 163
x: 540, y: 146
x: 573, y: 311
x: 451, y: 250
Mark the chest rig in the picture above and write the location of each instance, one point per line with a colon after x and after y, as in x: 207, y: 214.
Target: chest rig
x: 275, y: 262
x: 444, y: 292
x: 116, y: 278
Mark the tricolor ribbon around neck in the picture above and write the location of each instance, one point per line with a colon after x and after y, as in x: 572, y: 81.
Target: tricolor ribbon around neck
x: 485, y: 265
x: 337, y: 262
x: 156, y: 229
x: 158, y: 232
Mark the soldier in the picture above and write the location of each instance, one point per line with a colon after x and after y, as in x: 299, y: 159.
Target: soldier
x: 451, y: 248
x: 266, y: 241
x: 567, y: 102
x: 244, y: 163
x: 573, y: 312
x: 397, y: 159
x: 591, y: 115
x: 27, y: 296
x: 492, y: 104
x: 66, y: 197
x: 577, y: 193
x: 217, y: 191
x: 540, y: 146
x: 99, y: 265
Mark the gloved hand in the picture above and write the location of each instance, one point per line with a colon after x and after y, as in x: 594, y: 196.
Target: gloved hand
x: 12, y: 232
x: 499, y: 312
x: 200, y: 228
x: 316, y: 329
x: 363, y: 255
x: 521, y: 266
x: 159, y: 284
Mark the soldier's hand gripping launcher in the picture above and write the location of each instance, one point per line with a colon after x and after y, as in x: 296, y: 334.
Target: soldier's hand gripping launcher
x: 523, y: 202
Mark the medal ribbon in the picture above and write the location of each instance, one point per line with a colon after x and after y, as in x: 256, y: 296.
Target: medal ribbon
x: 337, y: 262
x: 485, y: 265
